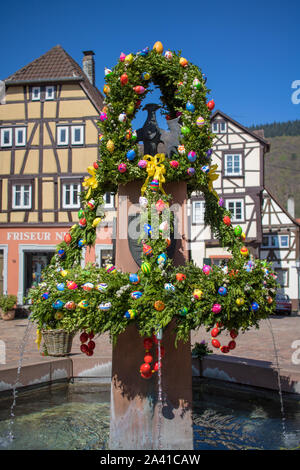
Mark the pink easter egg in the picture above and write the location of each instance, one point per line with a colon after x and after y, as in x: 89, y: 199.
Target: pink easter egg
x: 142, y: 163
x: 122, y: 167
x: 174, y: 163
x: 122, y: 56
x: 216, y: 308
x: 206, y: 269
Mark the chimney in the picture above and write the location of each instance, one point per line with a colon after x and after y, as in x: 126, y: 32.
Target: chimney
x: 291, y: 206
x: 88, y: 65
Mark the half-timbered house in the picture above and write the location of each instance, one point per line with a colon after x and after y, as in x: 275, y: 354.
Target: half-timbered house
x: 49, y: 135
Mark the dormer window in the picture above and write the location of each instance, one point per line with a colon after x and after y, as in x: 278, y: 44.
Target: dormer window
x: 36, y: 93
x: 223, y: 127
x: 219, y: 127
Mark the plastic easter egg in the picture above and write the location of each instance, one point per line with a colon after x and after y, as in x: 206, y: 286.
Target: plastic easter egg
x: 244, y: 251
x: 160, y: 205
x: 154, y: 185
x: 144, y: 52
x: 249, y: 266
x: 70, y: 305
x: 130, y: 155
x: 130, y: 108
x: 169, y: 287
x: 254, y: 306
x: 101, y: 287
x: 136, y: 295
x: 210, y: 105
x: 91, y: 204
x: 214, y: 332
x: 192, y: 156
x: 134, y: 278
x: 196, y: 84
x: 45, y: 296
x: 107, y: 72
x: 243, y: 236
x: 139, y: 89
x: 124, y: 79
x: 216, y: 308
x: 122, y: 168
x: 122, y: 117
x: 158, y: 47
x: 146, y: 268
x: 238, y: 230
x: 161, y: 259
x: 134, y: 136
x: 183, y: 311
x: 122, y: 56
x: 61, y: 254
x: 185, y: 130
x: 197, y: 294
x: 110, y: 268
x: 206, y: 269
x: 205, y: 168
x: 146, y: 76
x: 110, y: 146
x: 82, y: 222
x: 88, y: 286
x: 96, y: 221
x: 191, y: 171
x: 224, y: 349
x: 269, y: 299
x: 190, y: 107
x: 200, y: 121
x: 59, y: 316
x: 164, y: 226
x: 130, y: 314
x: 128, y: 59
x: 142, y: 164
x: 168, y: 55
x: 233, y: 334
x: 227, y: 220
x: 147, y: 229
x: 183, y: 62
x: 231, y: 345
x: 180, y: 277
x: 67, y: 238
x: 103, y: 117
x: 105, y: 306
x: 222, y: 291
x: 181, y: 149
x: 147, y: 250
x: 159, y: 305
x: 64, y: 272
x: 72, y: 285
x: 60, y: 286
x: 58, y: 304
x: 221, y: 202
x: 83, y: 304
x: 216, y: 343
x: 174, y: 164
x: 143, y: 201
x: 240, y: 301
x: 106, y: 89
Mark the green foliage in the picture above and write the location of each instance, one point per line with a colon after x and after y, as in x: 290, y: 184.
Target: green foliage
x: 277, y: 129
x: 7, y: 302
x: 200, y: 350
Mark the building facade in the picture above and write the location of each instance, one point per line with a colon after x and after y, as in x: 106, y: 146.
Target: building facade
x: 49, y: 135
x: 239, y: 154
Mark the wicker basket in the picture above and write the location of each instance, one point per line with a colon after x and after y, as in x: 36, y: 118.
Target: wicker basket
x: 58, y: 342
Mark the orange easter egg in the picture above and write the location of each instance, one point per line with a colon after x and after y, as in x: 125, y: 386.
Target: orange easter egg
x: 158, y: 47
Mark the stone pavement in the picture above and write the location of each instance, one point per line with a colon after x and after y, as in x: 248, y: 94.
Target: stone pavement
x: 254, y: 344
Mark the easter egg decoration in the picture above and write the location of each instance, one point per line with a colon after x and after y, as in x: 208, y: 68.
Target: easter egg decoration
x: 64, y: 272
x: 143, y: 202
x: 122, y: 117
x: 146, y: 76
x: 139, y: 89
x: 59, y: 316
x: 181, y: 149
x: 130, y: 314
x: 83, y: 304
x: 216, y: 343
x: 174, y: 164
x: 130, y: 155
x: 122, y: 57
x: 216, y: 308
x: 185, y: 130
x: 130, y: 108
x: 168, y: 55
x: 158, y: 47
x: 192, y: 156
x: 222, y: 291
x: 145, y: 370
x: 45, y: 295
x: 110, y: 268
x: 164, y: 226
x: 183, y: 62
x: 82, y: 222
x: 221, y: 202
x: 169, y: 287
x: 160, y: 205
x: 233, y: 334
x: 240, y: 301
x: 58, y: 304
x: 71, y: 285
x: 197, y: 294
x: 191, y: 171
x: 161, y: 259
x: 124, y: 79
x: 61, y: 253
x: 180, y: 277
x: 205, y: 169
x: 110, y: 146
x: 254, y: 306
x: 102, y: 116
x: 129, y: 59
x: 87, y: 286
x: 136, y: 295
x: 209, y: 153
x: 159, y: 305
x: 183, y: 311
x: 106, y: 89
x: 60, y: 286
x: 244, y: 251
x: 196, y: 84
x: 190, y: 107
x: 154, y: 185
x: 67, y: 238
x: 214, y: 332
x: 70, y: 305
x: 95, y: 165
x: 147, y: 250
x: 146, y: 268
x: 104, y: 306
x: 200, y: 121
x: 96, y: 221
x: 134, y: 278
x: 122, y: 168
x: 101, y: 287
x: 227, y: 220
x: 148, y: 229
x: 206, y: 269
x: 80, y: 213
x: 142, y: 164
x: 144, y: 52
x: 238, y: 230
x: 91, y: 204
x: 210, y: 105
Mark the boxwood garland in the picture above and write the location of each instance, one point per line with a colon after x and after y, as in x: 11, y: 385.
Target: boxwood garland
x: 249, y: 280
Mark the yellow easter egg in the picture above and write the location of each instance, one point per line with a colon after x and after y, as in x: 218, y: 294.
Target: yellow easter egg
x: 106, y: 89
x: 110, y: 146
x: 64, y: 273
x: 183, y: 62
x: 158, y: 47
x: 96, y: 221
x: 128, y: 59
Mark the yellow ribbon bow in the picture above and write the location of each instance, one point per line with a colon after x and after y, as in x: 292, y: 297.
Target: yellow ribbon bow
x: 212, y: 176
x: 156, y: 170
x: 38, y: 338
x: 90, y: 181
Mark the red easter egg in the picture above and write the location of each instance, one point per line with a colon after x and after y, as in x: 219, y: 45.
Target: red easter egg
x: 91, y: 335
x: 147, y: 376
x: 84, y: 337
x: 180, y: 277
x: 89, y: 352
x: 145, y: 368
x: 148, y: 358
x: 95, y: 165
x: 215, y: 332
x: 82, y: 222
x: 216, y: 343
x: 219, y: 324
x: 224, y: 349
x: 232, y: 344
x: 174, y: 163
x: 67, y: 238
x: 226, y: 220
x: 91, y: 345
x: 84, y: 348
x: 148, y: 343
x: 211, y: 104
x: 124, y: 79
x: 155, y: 367
x: 154, y: 339
x: 233, y: 334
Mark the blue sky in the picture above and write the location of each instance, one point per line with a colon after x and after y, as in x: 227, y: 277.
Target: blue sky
x: 248, y: 50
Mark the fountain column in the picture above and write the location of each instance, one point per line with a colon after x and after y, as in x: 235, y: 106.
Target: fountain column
x: 137, y: 419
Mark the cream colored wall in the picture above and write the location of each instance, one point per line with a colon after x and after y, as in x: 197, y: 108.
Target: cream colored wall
x: 5, y: 161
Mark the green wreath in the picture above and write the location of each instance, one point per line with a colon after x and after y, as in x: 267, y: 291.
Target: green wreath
x: 235, y: 296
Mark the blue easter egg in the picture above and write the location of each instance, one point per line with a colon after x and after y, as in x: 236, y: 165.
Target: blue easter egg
x: 205, y: 168
x: 130, y: 155
x: 45, y: 296
x: 136, y: 295
x: 169, y: 287
x: 134, y: 278
x: 60, y: 286
x: 162, y: 258
x: 190, y: 107
x: 222, y: 291
x: 147, y: 229
x: 58, y: 304
x: 192, y: 156
x: 254, y: 306
x: 144, y: 51
x: 61, y: 254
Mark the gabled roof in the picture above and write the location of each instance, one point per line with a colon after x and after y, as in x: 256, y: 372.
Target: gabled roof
x: 255, y: 135
x: 56, y: 65
x: 295, y: 221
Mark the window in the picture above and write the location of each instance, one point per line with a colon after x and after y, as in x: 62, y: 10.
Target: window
x: 49, y: 95
x: 36, y: 93
x: 198, y: 212
x: 20, y: 136
x: 77, y: 135
x: 215, y: 127
x: 284, y: 241
x: 109, y: 201
x: 282, y: 277
x: 275, y: 241
x: 70, y: 196
x: 21, y: 198
x: 233, y: 164
x: 62, y: 135
x: 236, y: 207
x: 104, y: 254
x: 6, y: 137
x: 223, y: 127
